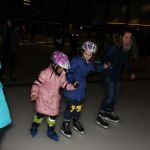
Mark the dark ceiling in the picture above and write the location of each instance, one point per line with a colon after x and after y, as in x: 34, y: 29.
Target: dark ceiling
x: 87, y: 12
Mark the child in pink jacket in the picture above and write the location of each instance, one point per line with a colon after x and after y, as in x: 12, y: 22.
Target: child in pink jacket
x: 45, y: 93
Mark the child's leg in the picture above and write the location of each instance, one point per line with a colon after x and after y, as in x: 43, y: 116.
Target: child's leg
x: 76, y: 117
x: 68, y: 113
x: 51, y: 121
x: 37, y: 120
x: 77, y: 111
x: 65, y: 129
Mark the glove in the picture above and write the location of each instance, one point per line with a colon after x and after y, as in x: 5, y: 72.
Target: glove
x: 75, y: 84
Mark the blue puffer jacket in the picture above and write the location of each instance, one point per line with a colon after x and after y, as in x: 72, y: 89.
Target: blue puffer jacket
x: 78, y: 72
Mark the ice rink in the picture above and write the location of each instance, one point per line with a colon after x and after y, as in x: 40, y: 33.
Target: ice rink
x: 132, y: 133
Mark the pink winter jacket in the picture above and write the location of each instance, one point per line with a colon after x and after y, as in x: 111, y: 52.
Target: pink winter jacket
x: 47, y: 89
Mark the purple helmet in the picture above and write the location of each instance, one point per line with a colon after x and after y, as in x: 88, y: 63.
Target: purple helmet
x: 89, y: 46
x: 61, y: 59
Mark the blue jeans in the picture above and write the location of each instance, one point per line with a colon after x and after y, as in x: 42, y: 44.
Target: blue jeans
x: 111, y: 95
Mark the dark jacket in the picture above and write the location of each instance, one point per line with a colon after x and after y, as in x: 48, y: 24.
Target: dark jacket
x: 117, y: 59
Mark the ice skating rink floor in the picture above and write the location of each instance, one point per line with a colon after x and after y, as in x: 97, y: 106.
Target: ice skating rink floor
x: 132, y: 133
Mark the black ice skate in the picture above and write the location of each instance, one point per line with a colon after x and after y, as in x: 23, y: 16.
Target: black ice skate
x: 77, y: 126
x: 65, y: 129
x: 101, y: 121
x: 110, y: 116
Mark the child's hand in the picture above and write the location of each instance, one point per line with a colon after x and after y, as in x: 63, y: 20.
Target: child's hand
x: 132, y: 76
x: 106, y: 65
x: 33, y: 98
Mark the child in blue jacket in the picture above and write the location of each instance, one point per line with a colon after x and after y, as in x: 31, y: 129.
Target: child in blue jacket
x: 80, y: 68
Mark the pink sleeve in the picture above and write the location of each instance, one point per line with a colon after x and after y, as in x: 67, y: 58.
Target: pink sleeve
x: 38, y: 83
x: 65, y: 84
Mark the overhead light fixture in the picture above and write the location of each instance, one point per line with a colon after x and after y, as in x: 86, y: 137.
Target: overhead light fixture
x: 116, y: 23
x: 129, y: 24
x: 138, y: 24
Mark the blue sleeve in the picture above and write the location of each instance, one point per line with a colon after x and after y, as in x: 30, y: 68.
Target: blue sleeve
x: 96, y: 67
x: 70, y: 74
x: 93, y: 68
x: 107, y: 57
x: 108, y: 54
x: 100, y: 67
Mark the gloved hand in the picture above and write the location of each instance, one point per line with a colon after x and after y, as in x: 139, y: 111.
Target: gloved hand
x: 75, y: 84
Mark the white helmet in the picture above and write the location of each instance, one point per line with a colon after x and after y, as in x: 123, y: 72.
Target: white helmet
x: 89, y: 46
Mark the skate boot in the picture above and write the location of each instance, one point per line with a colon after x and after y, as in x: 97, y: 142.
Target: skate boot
x: 78, y: 126
x: 101, y: 121
x: 65, y: 129
x: 110, y: 116
x: 52, y: 134
x: 34, y: 129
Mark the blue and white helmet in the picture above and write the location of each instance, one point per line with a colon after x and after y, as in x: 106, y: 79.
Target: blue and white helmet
x: 89, y: 46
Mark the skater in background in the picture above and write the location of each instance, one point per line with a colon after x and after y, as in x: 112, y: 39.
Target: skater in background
x: 115, y: 58
x: 130, y: 48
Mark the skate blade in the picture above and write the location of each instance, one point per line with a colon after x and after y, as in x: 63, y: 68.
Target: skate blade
x: 67, y: 136
x: 114, y: 121
x: 105, y: 127
x: 78, y: 130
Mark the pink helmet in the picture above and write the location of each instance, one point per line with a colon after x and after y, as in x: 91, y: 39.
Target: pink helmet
x: 61, y: 59
x: 89, y: 46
